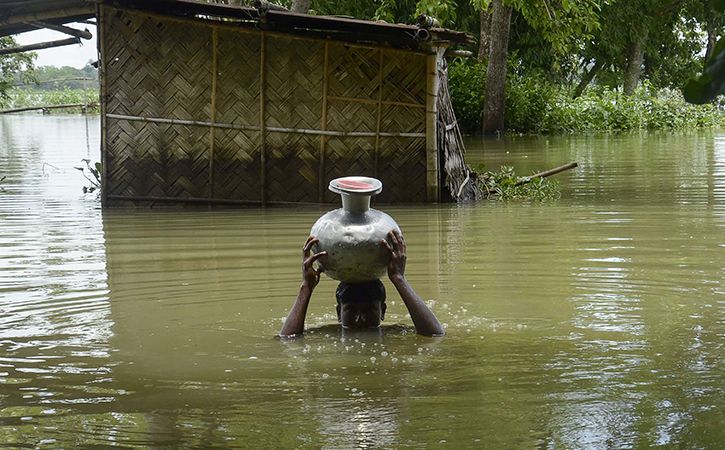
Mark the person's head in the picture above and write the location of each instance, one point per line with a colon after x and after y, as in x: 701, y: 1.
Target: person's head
x: 360, y: 305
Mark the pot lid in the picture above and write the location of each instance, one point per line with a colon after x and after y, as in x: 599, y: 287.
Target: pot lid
x: 356, y: 185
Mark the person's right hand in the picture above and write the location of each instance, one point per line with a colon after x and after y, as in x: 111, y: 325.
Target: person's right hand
x: 310, y: 275
x: 396, y: 264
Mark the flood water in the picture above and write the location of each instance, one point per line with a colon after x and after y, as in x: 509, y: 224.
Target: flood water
x: 593, y: 321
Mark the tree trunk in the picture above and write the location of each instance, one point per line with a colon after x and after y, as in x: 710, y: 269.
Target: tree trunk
x: 300, y: 6
x: 711, y: 41
x: 587, y: 78
x: 634, y: 63
x: 495, y: 92
x: 484, y: 42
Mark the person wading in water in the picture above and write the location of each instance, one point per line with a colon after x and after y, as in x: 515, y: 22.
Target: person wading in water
x: 362, y: 305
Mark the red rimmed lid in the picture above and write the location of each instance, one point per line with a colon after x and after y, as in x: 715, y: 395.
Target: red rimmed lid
x: 356, y: 185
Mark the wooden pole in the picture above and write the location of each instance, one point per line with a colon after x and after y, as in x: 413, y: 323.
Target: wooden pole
x: 232, y: 126
x: 547, y: 173
x: 376, y: 156
x: 431, y: 125
x: 370, y: 101
x: 214, y: 70
x: 262, y: 144
x: 40, y: 46
x: 35, y: 108
x: 101, y: 48
x: 85, y: 34
x: 323, y: 126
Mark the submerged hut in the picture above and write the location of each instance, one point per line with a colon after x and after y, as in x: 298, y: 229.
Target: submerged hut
x: 211, y: 103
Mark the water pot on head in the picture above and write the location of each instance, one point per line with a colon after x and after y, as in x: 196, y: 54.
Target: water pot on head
x: 351, y: 235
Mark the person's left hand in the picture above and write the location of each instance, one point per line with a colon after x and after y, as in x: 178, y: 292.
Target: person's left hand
x: 398, y: 257
x: 310, y: 275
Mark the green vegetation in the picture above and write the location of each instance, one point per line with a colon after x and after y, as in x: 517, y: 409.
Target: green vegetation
x: 562, y: 65
x: 28, y: 86
x: 534, y: 104
x: 504, y: 184
x: 13, y: 68
x: 27, y: 97
x: 95, y: 176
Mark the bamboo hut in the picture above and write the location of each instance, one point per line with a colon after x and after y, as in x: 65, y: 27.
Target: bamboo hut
x: 210, y: 103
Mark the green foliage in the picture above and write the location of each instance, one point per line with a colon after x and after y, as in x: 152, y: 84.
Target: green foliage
x: 536, y: 105
x: 13, y: 66
x: 60, y: 78
x: 466, y: 80
x: 95, y: 176
x: 443, y: 10
x: 712, y: 82
x: 27, y: 97
x: 504, y: 184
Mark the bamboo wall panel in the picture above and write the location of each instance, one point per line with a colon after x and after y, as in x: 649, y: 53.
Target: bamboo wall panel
x: 354, y: 72
x: 294, y: 81
x: 292, y: 167
x: 155, y: 69
x: 295, y: 72
x: 340, y: 160
x: 157, y: 160
x: 404, y: 77
x: 238, y: 78
x: 237, y: 154
x: 237, y: 163
x: 402, y: 169
x: 405, y: 119
x: 343, y: 162
x: 158, y: 69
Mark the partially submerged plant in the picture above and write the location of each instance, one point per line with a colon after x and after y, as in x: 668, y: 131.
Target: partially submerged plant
x: 95, y: 172
x: 504, y: 184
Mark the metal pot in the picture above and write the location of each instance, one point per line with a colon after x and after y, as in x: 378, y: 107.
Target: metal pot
x: 351, y: 235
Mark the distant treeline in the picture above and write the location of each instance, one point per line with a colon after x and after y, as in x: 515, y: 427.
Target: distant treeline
x: 50, y: 78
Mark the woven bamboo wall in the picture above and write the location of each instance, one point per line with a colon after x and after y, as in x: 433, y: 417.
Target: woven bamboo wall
x: 198, y: 111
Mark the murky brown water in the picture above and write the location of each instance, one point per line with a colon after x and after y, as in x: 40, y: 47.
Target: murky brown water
x: 594, y: 321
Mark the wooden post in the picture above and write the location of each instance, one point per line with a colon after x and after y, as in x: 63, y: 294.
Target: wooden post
x: 214, y: 70
x: 262, y: 100
x: 376, y: 157
x: 431, y: 119
x: 85, y: 34
x: 101, y: 47
x: 323, y: 126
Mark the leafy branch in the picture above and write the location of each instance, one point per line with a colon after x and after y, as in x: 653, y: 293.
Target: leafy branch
x: 95, y: 172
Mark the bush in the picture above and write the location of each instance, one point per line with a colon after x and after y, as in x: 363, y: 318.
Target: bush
x: 29, y: 97
x: 536, y: 105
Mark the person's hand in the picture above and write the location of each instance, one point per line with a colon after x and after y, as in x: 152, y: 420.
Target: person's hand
x: 396, y: 265
x: 310, y: 275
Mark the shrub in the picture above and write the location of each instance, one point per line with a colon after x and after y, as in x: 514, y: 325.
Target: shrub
x: 536, y: 105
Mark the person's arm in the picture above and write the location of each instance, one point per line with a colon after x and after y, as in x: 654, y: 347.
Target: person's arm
x: 424, y: 320
x: 295, y: 323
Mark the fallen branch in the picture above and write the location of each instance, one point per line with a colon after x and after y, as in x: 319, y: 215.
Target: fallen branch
x: 35, y: 108
x: 547, y: 173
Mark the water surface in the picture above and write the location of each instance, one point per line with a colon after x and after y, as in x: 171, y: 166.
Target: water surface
x: 593, y: 321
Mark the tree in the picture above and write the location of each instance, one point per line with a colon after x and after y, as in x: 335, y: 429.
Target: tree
x: 558, y: 21
x: 13, y: 65
x: 495, y: 92
x: 712, y: 82
x: 300, y: 6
